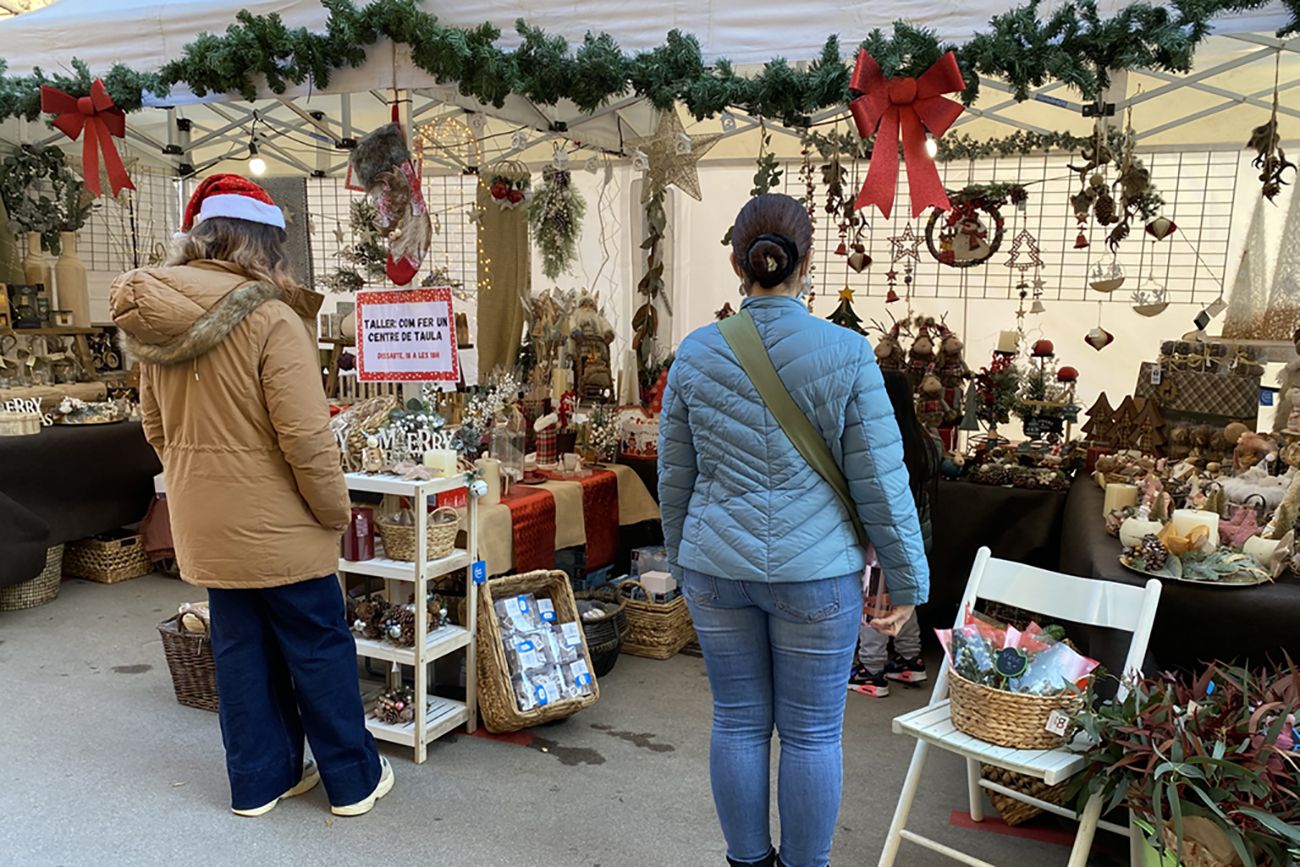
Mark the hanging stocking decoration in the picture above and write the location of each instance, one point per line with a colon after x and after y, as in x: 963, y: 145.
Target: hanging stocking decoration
x: 383, y: 165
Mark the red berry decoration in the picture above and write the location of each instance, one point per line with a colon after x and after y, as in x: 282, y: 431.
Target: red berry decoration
x: 1043, y: 349
x: 1067, y: 374
x: 499, y: 190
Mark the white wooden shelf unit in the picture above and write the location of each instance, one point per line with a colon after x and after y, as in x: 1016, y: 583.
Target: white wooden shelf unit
x: 434, y: 716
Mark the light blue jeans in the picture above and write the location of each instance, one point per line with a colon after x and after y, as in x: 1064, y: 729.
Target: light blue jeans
x: 777, y: 653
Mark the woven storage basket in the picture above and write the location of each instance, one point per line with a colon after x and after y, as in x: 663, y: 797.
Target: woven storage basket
x: 38, y: 591
x: 496, y: 698
x: 119, y: 557
x: 605, y: 635
x: 358, y: 423
x: 399, y: 539
x: 1006, y: 719
x: 1015, y: 812
x: 189, y: 658
x: 656, y: 630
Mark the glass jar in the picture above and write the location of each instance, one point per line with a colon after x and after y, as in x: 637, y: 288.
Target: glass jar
x: 506, y: 443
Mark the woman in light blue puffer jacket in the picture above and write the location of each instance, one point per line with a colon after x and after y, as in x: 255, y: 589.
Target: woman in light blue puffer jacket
x: 765, y: 551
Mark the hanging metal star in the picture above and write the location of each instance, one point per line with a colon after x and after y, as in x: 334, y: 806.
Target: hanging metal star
x: 891, y: 275
x: 846, y: 294
x: 670, y: 164
x: 905, y: 246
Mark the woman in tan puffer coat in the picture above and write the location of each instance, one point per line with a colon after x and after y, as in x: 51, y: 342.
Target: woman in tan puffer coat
x: 232, y: 401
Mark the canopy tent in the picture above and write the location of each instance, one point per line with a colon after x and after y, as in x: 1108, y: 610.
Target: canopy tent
x: 1232, y: 80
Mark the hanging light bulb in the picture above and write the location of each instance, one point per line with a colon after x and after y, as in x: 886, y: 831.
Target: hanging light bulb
x: 931, y: 146
x: 256, y: 164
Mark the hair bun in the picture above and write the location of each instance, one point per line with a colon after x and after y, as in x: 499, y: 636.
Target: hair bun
x: 772, y: 258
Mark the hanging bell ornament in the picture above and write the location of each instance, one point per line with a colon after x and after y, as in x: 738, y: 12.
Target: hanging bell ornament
x: 841, y: 250
x: 891, y: 296
x: 1081, y: 241
x: 1037, y: 307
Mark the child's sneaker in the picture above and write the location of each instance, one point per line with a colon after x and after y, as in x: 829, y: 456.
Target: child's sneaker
x: 867, y: 683
x: 906, y: 670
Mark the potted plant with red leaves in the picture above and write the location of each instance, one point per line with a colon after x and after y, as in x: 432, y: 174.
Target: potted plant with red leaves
x: 1209, y: 764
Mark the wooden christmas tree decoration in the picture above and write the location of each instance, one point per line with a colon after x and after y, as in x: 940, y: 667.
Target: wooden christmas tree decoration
x: 1125, y: 424
x: 1149, y: 428
x: 1101, y: 418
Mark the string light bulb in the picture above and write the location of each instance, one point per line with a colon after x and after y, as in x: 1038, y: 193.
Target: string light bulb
x: 256, y: 164
x: 931, y: 146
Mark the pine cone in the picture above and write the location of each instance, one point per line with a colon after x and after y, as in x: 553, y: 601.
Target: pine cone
x: 1152, y: 552
x: 1104, y: 209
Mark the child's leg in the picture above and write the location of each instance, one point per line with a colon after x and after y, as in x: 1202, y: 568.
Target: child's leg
x: 873, y: 649
x: 907, y: 643
x: 907, y: 665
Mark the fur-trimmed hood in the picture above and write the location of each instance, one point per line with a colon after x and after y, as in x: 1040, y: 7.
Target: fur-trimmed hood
x: 176, y: 314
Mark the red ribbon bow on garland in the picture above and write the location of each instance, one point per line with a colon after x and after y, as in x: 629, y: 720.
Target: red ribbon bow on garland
x: 891, y: 107
x: 101, y: 121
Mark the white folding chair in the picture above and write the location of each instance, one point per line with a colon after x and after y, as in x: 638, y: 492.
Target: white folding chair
x: 1057, y: 597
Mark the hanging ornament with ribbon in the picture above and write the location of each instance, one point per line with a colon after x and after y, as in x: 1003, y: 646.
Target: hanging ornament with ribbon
x: 101, y: 121
x: 904, y: 108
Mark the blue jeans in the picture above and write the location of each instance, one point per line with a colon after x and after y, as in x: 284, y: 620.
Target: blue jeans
x: 287, y: 665
x: 777, y: 653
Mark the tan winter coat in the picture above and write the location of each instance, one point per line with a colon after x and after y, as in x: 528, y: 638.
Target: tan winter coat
x: 232, y: 402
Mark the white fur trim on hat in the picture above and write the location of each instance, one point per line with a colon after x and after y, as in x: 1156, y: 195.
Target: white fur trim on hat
x: 240, y: 207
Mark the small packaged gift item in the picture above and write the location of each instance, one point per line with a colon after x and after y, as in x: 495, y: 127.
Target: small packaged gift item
x: 359, y: 540
x: 577, y: 679
x: 539, y: 690
x: 565, y: 640
x: 525, y: 655
x: 518, y: 614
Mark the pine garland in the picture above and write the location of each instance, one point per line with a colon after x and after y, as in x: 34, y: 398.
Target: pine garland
x: 1074, y: 45
x: 555, y: 214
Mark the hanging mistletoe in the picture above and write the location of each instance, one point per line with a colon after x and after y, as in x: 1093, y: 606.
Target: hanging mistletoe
x: 767, y: 175
x: 555, y: 214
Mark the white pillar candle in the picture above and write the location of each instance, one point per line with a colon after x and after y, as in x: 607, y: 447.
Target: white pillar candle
x: 490, y: 470
x: 559, y: 384
x: 1187, y: 520
x: 443, y: 462
x: 1119, y: 496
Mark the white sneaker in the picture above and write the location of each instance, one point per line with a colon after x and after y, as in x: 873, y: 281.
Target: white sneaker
x: 309, y: 781
x: 385, y: 785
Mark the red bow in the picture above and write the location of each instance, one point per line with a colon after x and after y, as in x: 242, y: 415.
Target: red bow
x: 101, y: 120
x: 907, y: 106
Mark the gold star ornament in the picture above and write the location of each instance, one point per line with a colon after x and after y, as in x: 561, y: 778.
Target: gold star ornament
x: 846, y: 294
x: 672, y: 156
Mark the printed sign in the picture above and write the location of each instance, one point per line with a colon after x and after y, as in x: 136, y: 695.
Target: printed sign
x: 407, y: 336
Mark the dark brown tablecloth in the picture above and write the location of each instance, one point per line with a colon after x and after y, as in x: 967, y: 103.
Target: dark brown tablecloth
x: 73, y: 481
x: 1194, y: 624
x: 1015, y: 524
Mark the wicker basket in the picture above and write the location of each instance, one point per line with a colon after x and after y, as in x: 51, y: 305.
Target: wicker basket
x: 189, y: 658
x: 496, y: 698
x: 656, y: 630
x: 1015, y: 812
x: 399, y: 539
x: 605, y: 635
x: 38, y: 591
x: 1007, y: 719
x: 108, y: 559
x: 19, y: 424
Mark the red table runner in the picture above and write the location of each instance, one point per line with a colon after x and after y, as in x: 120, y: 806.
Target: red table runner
x: 600, y: 517
x: 532, y: 525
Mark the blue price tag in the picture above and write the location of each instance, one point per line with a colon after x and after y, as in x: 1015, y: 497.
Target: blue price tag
x: 1266, y: 396
x: 478, y: 571
x: 539, y: 692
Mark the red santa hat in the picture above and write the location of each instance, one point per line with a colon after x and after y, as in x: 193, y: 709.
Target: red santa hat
x: 234, y: 197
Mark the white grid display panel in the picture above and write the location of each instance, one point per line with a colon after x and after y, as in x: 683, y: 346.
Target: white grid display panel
x: 451, y: 203
x: 1198, y: 187
x: 134, y: 229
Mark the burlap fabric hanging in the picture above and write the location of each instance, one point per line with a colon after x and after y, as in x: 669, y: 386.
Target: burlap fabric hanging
x: 11, y: 264
x: 505, y: 273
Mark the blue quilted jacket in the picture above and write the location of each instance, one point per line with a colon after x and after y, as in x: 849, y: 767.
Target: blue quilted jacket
x: 740, y: 502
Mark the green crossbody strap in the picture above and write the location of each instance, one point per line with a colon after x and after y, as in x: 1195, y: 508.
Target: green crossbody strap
x: 742, y: 336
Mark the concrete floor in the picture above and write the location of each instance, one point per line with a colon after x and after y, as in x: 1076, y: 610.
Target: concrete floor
x: 100, y: 766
